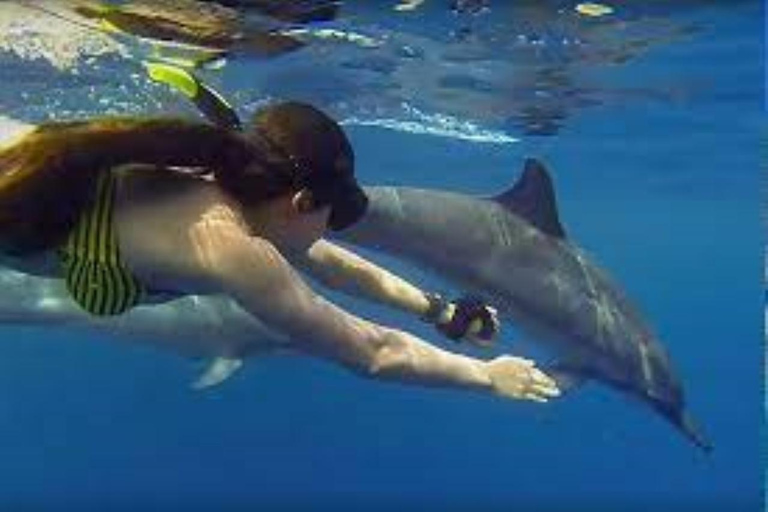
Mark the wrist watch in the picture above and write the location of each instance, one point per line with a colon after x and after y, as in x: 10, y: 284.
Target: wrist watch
x: 436, y: 308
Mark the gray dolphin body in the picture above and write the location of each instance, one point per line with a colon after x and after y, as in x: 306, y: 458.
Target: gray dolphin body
x: 513, y: 251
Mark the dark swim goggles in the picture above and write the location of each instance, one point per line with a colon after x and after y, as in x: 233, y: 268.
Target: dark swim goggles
x: 345, y: 196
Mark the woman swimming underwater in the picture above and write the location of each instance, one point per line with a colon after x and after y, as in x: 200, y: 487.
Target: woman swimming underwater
x: 132, y: 211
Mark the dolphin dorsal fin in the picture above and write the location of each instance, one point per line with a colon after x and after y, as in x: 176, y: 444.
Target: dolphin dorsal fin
x: 533, y: 198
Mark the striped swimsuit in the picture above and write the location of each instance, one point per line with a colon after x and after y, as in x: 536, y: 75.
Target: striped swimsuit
x: 95, y: 276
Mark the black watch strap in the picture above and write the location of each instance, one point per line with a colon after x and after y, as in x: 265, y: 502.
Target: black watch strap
x: 437, y: 305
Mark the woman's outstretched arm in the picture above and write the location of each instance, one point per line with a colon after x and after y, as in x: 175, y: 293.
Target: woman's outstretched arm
x: 343, y: 270
x: 255, y: 274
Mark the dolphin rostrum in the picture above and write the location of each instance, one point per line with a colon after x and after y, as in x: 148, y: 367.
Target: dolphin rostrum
x: 513, y: 251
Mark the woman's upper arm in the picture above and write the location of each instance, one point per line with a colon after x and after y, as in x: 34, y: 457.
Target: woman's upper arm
x: 253, y: 272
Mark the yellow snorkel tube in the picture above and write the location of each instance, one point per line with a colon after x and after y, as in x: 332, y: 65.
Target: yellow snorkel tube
x: 210, y: 103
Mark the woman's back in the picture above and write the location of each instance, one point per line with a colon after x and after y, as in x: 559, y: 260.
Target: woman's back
x: 155, y: 211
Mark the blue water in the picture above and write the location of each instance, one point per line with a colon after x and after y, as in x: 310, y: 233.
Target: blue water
x: 655, y: 161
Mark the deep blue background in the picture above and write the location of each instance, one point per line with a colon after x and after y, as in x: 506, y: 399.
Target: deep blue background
x: 665, y: 195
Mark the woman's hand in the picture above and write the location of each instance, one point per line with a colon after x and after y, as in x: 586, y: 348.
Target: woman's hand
x: 519, y: 379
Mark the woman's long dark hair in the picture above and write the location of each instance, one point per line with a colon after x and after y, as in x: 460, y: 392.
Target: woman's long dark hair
x: 47, y: 177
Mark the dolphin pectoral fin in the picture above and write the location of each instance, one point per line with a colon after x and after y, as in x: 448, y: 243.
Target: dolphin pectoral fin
x: 219, y: 370
x: 567, y: 377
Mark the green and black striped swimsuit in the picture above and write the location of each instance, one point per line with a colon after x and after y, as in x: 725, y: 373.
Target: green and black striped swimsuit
x: 95, y: 275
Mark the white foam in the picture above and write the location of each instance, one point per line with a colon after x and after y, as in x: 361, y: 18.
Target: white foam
x: 40, y: 30
x: 439, y: 125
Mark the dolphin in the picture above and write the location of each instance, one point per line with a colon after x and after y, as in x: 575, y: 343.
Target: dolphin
x: 513, y: 251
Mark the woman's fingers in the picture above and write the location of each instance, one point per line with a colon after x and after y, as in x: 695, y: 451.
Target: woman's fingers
x: 519, y: 378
